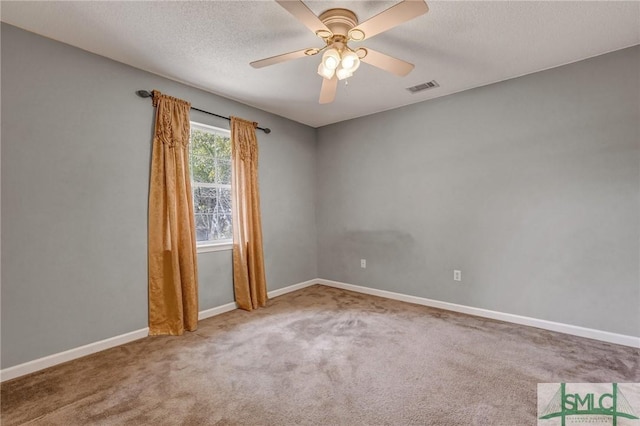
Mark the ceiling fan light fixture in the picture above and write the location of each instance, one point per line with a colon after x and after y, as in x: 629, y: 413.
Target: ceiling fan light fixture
x: 343, y: 73
x: 331, y: 59
x: 350, y: 61
x: 324, y: 71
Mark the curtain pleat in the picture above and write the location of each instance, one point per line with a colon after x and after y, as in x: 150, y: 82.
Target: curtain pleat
x: 173, y: 272
x: 249, y: 280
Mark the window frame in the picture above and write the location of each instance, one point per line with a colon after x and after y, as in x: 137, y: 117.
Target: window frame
x: 219, y: 245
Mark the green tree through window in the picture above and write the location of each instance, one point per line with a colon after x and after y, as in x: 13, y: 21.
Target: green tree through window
x: 210, y: 162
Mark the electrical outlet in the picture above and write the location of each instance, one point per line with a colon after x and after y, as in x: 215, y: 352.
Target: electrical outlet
x: 363, y: 263
x: 457, y: 275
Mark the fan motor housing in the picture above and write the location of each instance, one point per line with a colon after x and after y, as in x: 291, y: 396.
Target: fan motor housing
x: 339, y: 21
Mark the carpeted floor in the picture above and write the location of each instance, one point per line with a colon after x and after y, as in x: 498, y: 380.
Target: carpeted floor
x: 320, y: 356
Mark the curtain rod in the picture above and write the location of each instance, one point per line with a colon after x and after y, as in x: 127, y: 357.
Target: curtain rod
x: 147, y: 94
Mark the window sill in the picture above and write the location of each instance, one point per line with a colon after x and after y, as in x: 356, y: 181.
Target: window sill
x: 214, y: 247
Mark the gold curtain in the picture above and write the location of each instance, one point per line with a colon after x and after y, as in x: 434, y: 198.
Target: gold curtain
x: 249, y: 281
x: 173, y: 272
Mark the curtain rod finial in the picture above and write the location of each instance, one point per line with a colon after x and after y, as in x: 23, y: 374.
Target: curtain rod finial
x: 144, y: 93
x: 267, y: 130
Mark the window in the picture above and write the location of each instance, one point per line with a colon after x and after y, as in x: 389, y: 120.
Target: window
x: 210, y: 163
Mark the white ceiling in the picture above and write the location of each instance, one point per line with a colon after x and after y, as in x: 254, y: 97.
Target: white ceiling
x: 209, y: 44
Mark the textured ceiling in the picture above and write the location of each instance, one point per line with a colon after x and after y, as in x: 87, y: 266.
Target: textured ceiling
x: 209, y: 44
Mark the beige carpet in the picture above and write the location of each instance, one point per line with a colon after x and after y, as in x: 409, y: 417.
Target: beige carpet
x: 320, y: 356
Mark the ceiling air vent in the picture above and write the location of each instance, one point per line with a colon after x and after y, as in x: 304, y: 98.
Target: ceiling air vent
x: 424, y: 86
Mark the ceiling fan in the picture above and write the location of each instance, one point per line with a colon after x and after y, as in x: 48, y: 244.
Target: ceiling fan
x: 337, y: 27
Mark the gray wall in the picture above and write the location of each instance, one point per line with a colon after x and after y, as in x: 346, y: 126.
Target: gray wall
x: 529, y: 186
x: 75, y: 173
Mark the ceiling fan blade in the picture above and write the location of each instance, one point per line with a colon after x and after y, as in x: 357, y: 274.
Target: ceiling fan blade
x: 388, y: 63
x: 303, y: 14
x: 328, y: 91
x: 395, y: 15
x: 280, y: 58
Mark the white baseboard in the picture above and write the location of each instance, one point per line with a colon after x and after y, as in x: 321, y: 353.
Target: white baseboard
x: 207, y: 313
x: 91, y: 348
x: 289, y: 289
x: 574, y: 330
x: 71, y: 354
x: 271, y: 294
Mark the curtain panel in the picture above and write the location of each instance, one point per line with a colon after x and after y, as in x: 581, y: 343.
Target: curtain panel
x: 173, y: 272
x: 249, y: 280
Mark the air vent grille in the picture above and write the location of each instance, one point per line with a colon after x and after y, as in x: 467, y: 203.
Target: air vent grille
x: 424, y: 86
